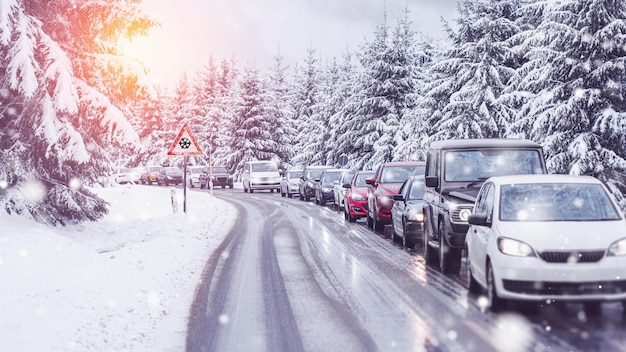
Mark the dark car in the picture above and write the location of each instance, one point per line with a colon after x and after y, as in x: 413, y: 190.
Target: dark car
x: 386, y: 182
x: 170, y: 175
x: 310, y: 176
x: 289, y: 183
x: 219, y: 175
x: 355, y: 199
x: 407, y: 213
x: 455, y: 171
x: 325, y: 188
x: 149, y: 174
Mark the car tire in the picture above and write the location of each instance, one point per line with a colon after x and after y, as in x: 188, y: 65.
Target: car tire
x: 289, y: 195
x: 430, y: 257
x: 376, y: 224
x: 406, y: 242
x: 472, y: 285
x: 449, y: 258
x: 495, y: 303
x: 223, y: 186
x: 230, y: 186
x: 251, y: 190
x: 370, y: 221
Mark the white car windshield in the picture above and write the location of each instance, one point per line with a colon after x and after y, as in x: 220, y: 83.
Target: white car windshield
x: 556, y: 202
x: 264, y: 167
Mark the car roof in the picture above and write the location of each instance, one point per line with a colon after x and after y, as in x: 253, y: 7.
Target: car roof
x: 483, y: 143
x: 336, y: 170
x: 319, y: 167
x: 543, y: 178
x: 403, y: 163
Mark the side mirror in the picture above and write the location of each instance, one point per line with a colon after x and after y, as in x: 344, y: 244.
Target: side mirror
x: 432, y: 181
x: 317, y: 180
x: 479, y: 220
x: 336, y: 182
x: 398, y: 198
x: 370, y: 181
x: 347, y: 185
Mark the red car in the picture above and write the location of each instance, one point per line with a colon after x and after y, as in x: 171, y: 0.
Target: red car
x: 355, y: 198
x: 386, y: 182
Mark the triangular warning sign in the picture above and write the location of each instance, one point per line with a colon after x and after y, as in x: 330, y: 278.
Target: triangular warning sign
x: 185, y: 144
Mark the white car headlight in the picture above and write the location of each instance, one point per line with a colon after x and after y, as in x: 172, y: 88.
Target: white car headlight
x: 515, y: 248
x: 357, y: 197
x: 415, y: 215
x: 618, y: 248
x: 311, y: 184
x: 326, y: 189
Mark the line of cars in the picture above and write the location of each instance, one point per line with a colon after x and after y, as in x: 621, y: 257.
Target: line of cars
x: 197, y: 176
x: 526, y: 235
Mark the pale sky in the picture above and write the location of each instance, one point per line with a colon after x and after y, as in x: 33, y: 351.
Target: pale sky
x: 252, y: 31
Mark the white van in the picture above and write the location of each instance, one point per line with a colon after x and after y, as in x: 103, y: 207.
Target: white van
x: 260, y: 175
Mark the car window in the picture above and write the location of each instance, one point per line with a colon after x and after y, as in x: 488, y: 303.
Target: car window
x: 556, y: 202
x: 294, y: 174
x: 330, y: 177
x: 481, y: 199
x: 361, y: 177
x: 417, y: 190
x: 315, y: 173
x: 474, y: 165
x: 219, y: 169
x: 394, y: 174
x: 264, y: 167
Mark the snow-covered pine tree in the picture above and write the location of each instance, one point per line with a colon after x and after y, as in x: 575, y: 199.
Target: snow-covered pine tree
x: 306, y: 82
x: 222, y: 113
x: 278, y: 106
x: 250, y: 135
x: 321, y: 142
x: 575, y: 78
x: 386, y: 93
x: 344, y: 106
x: 56, y: 123
x: 471, y: 75
x: 407, y: 63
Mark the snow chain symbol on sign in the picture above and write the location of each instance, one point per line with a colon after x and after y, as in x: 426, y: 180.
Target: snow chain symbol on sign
x: 184, y: 143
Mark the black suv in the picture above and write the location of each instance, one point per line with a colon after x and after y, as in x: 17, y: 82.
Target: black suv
x: 308, y: 181
x: 221, y: 177
x: 455, y: 171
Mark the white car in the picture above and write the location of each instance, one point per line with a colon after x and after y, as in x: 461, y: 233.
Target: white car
x: 193, y: 175
x: 123, y: 175
x: 339, y: 191
x: 546, y: 238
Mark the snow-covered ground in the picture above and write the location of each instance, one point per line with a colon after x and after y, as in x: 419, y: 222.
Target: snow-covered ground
x: 124, y: 283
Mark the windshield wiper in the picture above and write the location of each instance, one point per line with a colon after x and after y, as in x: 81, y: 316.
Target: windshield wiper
x: 480, y: 180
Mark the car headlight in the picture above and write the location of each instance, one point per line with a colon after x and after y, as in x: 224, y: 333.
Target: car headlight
x: 618, y: 248
x: 310, y: 184
x: 230, y: 177
x: 415, y: 215
x: 515, y: 248
x: 357, y: 197
x: 326, y: 189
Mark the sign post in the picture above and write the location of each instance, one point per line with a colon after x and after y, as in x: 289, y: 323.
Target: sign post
x: 185, y: 145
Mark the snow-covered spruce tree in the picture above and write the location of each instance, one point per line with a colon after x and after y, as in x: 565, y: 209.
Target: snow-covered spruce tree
x: 250, y: 135
x: 55, y: 123
x: 339, y: 142
x: 470, y: 76
x: 306, y: 82
x: 574, y: 79
x: 222, y: 113
x: 278, y: 106
x: 386, y: 93
x: 408, y: 64
x: 327, y: 105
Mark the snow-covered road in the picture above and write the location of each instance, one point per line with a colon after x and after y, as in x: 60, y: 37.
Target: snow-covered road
x: 294, y: 276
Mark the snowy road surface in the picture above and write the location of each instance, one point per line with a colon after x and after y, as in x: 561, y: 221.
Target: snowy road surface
x: 293, y: 276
